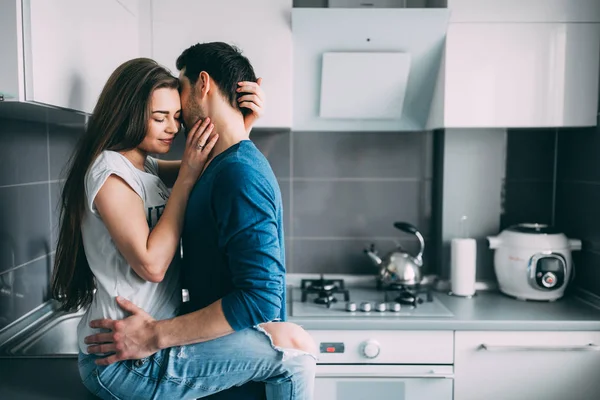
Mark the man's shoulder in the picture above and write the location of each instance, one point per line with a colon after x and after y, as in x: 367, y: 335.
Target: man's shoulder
x: 236, y: 171
x: 246, y: 162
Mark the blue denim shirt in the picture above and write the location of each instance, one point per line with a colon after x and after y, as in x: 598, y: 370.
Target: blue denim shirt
x: 233, y: 245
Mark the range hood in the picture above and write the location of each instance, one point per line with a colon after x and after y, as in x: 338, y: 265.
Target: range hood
x: 366, y: 69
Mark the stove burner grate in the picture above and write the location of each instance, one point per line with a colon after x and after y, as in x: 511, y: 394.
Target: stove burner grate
x: 325, y: 289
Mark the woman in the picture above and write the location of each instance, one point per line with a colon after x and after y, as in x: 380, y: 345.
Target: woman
x: 112, y: 179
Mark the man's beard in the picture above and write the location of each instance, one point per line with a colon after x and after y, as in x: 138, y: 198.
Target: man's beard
x: 192, y: 113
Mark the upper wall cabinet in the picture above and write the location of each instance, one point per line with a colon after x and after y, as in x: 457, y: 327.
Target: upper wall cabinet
x: 61, y: 52
x: 260, y: 28
x: 521, y: 75
x: 524, y: 11
x: 535, y: 68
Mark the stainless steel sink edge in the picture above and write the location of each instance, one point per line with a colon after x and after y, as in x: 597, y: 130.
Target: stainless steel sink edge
x: 44, y: 333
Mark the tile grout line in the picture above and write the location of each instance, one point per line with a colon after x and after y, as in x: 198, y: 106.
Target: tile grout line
x: 593, y: 251
x: 27, y: 263
x: 554, y: 178
x: 532, y: 180
x: 577, y: 182
x: 31, y: 183
x: 49, y: 185
x: 291, y: 212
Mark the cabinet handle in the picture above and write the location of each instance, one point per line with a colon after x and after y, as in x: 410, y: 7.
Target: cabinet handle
x: 587, y: 347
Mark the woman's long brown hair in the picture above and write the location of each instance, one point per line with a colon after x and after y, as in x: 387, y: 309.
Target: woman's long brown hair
x: 117, y: 123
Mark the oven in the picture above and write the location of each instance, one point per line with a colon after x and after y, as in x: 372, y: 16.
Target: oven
x: 384, y: 365
x: 383, y: 382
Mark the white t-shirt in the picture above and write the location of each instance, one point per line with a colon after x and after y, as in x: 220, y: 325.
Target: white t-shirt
x: 114, y: 277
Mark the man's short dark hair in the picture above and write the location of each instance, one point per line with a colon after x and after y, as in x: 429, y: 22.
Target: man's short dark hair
x: 224, y: 63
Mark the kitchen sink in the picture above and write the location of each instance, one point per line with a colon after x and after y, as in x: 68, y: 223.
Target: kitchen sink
x: 52, y: 335
x: 56, y: 338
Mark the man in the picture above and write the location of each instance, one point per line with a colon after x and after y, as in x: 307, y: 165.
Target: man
x: 233, y: 264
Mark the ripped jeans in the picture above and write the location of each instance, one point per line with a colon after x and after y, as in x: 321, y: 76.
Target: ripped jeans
x: 202, y: 369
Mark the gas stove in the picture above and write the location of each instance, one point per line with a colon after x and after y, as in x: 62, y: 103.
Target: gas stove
x: 368, y: 363
x: 324, y: 297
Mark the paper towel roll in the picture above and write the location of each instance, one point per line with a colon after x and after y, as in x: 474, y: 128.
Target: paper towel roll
x: 463, y: 266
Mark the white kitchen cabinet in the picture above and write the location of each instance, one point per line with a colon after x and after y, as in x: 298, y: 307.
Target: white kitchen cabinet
x: 524, y: 11
x: 519, y: 75
x: 260, y: 28
x: 527, y: 365
x: 61, y: 52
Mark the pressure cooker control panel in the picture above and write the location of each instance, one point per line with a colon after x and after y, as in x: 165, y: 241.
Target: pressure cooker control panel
x: 550, y: 271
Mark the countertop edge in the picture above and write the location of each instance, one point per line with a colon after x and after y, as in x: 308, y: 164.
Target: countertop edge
x: 450, y: 325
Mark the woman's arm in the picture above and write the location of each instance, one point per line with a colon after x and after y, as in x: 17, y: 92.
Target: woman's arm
x: 150, y: 253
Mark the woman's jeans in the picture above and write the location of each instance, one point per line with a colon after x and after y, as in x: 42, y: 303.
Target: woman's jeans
x: 202, y: 369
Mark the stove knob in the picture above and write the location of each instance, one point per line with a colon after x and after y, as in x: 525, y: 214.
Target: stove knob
x: 371, y: 349
x: 395, y: 307
x: 381, y: 307
x: 351, y: 306
x: 365, y: 306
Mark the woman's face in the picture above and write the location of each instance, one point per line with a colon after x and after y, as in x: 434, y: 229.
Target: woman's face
x: 163, y: 126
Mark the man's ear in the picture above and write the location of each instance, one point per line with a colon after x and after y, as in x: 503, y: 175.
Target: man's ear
x: 203, y: 84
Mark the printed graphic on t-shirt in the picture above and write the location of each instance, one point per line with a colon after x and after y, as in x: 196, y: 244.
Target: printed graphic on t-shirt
x: 153, y: 213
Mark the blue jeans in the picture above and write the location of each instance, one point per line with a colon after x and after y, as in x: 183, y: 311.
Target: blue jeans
x: 202, y: 369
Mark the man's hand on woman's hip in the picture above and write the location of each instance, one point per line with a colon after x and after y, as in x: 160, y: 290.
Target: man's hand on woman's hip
x: 131, y: 338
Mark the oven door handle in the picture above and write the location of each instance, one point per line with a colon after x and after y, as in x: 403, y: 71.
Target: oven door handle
x: 381, y: 371
x: 377, y: 375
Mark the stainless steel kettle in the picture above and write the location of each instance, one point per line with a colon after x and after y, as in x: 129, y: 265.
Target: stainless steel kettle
x: 399, y: 266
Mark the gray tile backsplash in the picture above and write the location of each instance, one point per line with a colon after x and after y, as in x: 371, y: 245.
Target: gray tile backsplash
x: 527, y: 202
x: 286, y: 193
x: 62, y: 143
x: 579, y: 155
x: 25, y: 216
x: 31, y: 160
x: 55, y: 198
x: 530, y: 154
x: 553, y: 176
x: 363, y: 155
x: 577, y: 200
x: 587, y: 270
x: 356, y: 208
x: 530, y: 174
x: 578, y: 210
x: 344, y: 189
x: 348, y: 188
x: 24, y: 152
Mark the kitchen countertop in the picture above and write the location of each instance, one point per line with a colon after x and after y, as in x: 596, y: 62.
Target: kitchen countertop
x: 485, y: 311
x: 58, y: 378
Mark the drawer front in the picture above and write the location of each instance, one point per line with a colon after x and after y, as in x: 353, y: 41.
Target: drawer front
x: 527, y: 365
x: 395, y: 347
